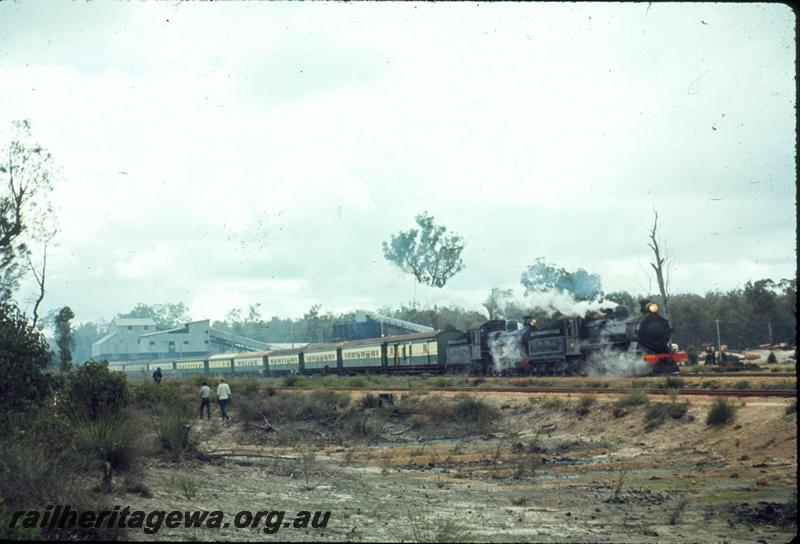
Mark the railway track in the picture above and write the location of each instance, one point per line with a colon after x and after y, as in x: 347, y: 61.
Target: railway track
x: 653, y: 376
x: 784, y: 393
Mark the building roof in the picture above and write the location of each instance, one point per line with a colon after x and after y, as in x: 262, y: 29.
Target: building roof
x: 133, y: 321
x: 287, y: 345
x: 179, y: 328
x: 104, y: 339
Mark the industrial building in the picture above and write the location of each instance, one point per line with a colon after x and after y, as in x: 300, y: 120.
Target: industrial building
x: 368, y: 324
x: 133, y: 339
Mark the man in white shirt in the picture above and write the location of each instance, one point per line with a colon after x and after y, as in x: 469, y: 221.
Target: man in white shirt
x: 223, y: 396
x: 205, y: 400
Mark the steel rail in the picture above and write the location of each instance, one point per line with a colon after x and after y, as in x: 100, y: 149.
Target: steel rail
x: 601, y: 390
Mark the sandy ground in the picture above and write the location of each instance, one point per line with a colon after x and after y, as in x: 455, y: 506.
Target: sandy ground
x: 542, y: 474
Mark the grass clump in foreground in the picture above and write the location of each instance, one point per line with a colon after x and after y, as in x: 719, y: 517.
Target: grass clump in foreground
x: 463, y: 409
x: 659, y: 412
x: 792, y: 408
x: 585, y: 404
x: 635, y: 398
x: 721, y: 413
x: 425, y: 528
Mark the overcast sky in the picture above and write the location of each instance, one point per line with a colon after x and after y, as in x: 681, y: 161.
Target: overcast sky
x: 232, y: 153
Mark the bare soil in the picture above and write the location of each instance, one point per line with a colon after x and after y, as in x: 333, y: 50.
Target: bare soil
x: 541, y: 473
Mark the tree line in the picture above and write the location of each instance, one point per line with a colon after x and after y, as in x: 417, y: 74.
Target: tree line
x: 762, y: 312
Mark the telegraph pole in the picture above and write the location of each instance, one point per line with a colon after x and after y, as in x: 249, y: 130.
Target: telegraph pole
x: 719, y: 344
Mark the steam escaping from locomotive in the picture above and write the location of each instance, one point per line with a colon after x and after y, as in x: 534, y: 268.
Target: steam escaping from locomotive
x: 506, y: 351
x: 564, y: 303
x: 610, y: 364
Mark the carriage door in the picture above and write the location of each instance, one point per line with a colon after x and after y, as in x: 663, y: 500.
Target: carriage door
x: 476, y: 344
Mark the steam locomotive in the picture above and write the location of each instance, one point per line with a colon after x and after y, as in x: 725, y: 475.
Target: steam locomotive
x: 609, y: 340
x: 639, y: 344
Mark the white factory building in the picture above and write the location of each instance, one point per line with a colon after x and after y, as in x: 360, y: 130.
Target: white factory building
x: 131, y: 339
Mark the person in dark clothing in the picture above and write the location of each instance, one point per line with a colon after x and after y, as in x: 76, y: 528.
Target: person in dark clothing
x: 710, y: 355
x: 205, y: 400
x: 157, y: 375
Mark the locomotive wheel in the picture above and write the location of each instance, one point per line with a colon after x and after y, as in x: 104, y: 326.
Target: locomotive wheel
x: 666, y: 366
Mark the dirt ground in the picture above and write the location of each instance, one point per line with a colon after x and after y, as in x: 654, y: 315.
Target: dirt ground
x: 543, y: 473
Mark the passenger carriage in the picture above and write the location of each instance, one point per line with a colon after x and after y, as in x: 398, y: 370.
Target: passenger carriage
x: 423, y: 351
x: 284, y: 361
x: 321, y: 357
x: 190, y: 366
x: 362, y: 355
x: 251, y: 363
x: 220, y: 365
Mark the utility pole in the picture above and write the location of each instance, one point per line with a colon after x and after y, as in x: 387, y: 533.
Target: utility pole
x: 719, y: 344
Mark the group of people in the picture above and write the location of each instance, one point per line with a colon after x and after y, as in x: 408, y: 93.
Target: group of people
x: 223, y: 395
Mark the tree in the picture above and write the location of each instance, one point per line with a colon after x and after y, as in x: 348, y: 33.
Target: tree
x: 660, y: 266
x: 542, y: 276
x: 23, y: 357
x: 166, y: 315
x: 496, y: 303
x: 25, y: 173
x: 763, y: 302
x: 93, y: 391
x: 427, y: 252
x: 623, y: 298
x: 64, y: 338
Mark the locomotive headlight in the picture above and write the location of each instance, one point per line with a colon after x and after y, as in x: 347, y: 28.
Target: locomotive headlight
x: 652, y: 308
x: 532, y: 322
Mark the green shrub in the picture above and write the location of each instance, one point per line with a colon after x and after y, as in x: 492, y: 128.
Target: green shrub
x: 771, y: 358
x: 629, y: 400
x: 32, y: 475
x: 95, y: 392
x: 289, y: 407
x: 469, y: 409
x: 153, y: 396
x: 358, y: 382
x: 294, y: 380
x: 23, y: 357
x: 463, y: 409
x: 743, y: 384
x: 115, y: 439
x: 187, y: 486
x: 585, y: 404
x: 721, y: 413
x: 552, y: 404
x: 246, y: 386
x: 792, y: 408
x: 198, y: 379
x: 672, y: 382
x: 693, y: 356
x: 172, y: 429
x: 658, y: 413
x: 250, y: 409
x: 634, y: 398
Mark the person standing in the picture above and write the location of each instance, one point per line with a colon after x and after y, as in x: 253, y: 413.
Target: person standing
x: 223, y: 396
x: 205, y: 400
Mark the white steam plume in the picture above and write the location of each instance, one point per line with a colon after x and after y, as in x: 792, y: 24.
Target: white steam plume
x: 506, y: 352
x: 612, y: 363
x: 565, y: 303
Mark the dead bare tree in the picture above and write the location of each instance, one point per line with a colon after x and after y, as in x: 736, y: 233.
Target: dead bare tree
x: 40, y: 278
x: 26, y: 215
x: 660, y: 266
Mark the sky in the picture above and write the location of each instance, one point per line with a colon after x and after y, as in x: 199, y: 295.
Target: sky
x: 226, y: 154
